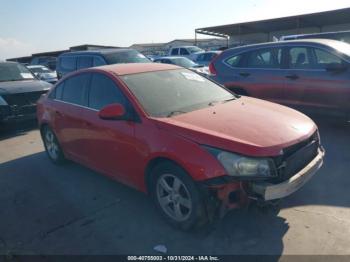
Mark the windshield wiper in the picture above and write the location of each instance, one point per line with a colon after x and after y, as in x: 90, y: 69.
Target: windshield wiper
x: 175, y: 112
x: 230, y: 99
x: 212, y: 103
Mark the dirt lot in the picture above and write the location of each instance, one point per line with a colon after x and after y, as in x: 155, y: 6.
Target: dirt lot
x: 46, y: 209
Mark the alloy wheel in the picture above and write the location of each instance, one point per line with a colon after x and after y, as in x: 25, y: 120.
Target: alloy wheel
x: 174, y: 197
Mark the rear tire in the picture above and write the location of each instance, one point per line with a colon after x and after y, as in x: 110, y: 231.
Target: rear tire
x: 52, y: 146
x: 177, y: 197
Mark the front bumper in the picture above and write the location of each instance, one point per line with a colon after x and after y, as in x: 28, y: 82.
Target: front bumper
x: 12, y: 114
x: 268, y: 191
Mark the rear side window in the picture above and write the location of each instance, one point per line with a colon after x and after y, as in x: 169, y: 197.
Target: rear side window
x: 103, y: 92
x: 234, y: 61
x: 84, y: 62
x: 183, y: 51
x: 264, y: 58
x: 75, y: 88
x: 175, y: 51
x: 68, y: 63
x: 299, y: 58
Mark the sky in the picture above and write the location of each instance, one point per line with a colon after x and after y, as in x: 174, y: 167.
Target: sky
x: 30, y: 26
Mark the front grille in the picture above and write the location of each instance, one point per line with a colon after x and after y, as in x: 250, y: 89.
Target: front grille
x: 23, y: 103
x: 296, y: 157
x: 23, y: 99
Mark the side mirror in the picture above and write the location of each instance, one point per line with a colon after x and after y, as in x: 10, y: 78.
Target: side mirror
x: 336, y: 67
x: 112, y: 112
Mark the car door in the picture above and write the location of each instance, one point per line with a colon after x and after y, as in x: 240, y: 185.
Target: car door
x: 326, y: 84
x: 299, y: 74
x: 110, y: 142
x: 259, y: 73
x: 68, y: 107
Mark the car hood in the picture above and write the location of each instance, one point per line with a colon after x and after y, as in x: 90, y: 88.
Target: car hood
x: 14, y: 87
x: 247, y: 126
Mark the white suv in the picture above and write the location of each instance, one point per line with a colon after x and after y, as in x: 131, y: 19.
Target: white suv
x: 186, y: 51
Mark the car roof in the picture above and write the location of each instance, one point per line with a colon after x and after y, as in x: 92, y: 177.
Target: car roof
x: 316, y: 41
x: 98, y: 51
x: 134, y: 68
x: 8, y: 62
x: 171, y: 57
x: 35, y: 66
x: 184, y: 46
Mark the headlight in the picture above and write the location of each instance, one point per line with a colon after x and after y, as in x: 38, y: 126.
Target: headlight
x: 2, y: 102
x: 242, y: 166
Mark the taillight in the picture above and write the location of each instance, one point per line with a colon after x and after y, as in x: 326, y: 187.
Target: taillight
x: 212, y: 69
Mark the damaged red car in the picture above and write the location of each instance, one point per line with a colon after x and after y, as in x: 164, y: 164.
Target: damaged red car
x: 195, y: 147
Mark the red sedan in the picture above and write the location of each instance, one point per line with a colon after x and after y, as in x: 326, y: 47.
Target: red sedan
x: 189, y: 143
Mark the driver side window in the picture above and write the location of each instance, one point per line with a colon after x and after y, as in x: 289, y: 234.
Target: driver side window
x: 103, y: 92
x: 324, y: 58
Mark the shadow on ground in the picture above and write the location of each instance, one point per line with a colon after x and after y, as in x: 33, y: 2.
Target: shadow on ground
x: 14, y: 129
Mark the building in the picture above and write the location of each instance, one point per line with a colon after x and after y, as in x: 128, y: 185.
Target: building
x: 27, y: 59
x: 273, y: 29
x: 150, y: 49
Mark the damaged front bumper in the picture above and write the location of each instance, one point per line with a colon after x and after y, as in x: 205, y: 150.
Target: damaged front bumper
x: 233, y: 194
x: 268, y: 191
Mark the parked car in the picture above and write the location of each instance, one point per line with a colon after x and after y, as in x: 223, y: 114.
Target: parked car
x: 312, y: 75
x: 191, y: 144
x: 204, y: 58
x: 48, y: 61
x: 19, y: 91
x: 184, y: 62
x: 177, y: 60
x: 43, y: 73
x: 72, y: 61
x: 186, y: 51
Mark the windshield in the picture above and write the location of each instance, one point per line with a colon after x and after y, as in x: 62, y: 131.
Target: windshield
x: 194, y: 49
x: 14, y: 72
x: 131, y: 56
x: 183, y: 61
x: 163, y: 93
x: 40, y: 70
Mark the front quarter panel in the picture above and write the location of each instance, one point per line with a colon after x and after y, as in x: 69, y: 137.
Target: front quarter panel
x: 158, y: 143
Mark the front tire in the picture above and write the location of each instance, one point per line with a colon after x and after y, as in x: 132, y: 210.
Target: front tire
x: 52, y: 147
x: 177, y: 197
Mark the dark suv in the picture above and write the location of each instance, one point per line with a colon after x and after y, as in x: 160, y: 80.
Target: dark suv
x: 312, y: 75
x: 19, y: 92
x: 72, y: 61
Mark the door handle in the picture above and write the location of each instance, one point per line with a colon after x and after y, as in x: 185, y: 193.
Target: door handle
x: 292, y: 77
x: 245, y: 74
x: 58, y: 113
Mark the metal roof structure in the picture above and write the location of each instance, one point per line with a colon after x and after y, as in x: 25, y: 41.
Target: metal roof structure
x: 319, y: 20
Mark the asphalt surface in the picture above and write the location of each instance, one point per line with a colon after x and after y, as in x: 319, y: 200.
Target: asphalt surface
x: 48, y: 209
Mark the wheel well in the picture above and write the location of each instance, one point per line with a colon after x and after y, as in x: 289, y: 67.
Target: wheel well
x: 239, y: 91
x: 152, y: 164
